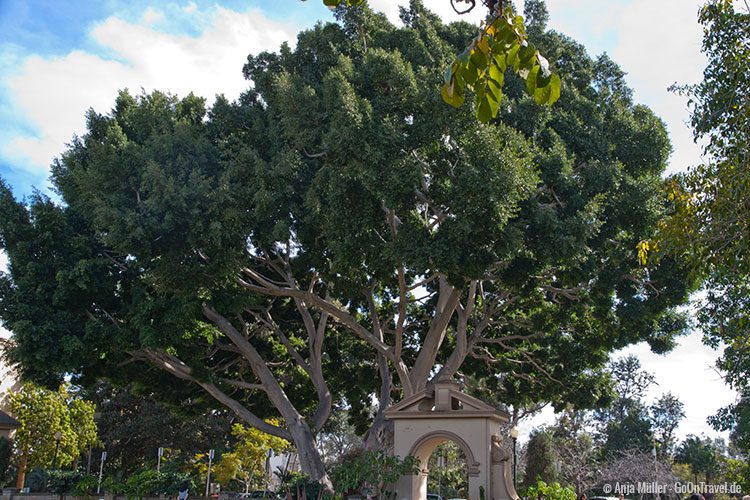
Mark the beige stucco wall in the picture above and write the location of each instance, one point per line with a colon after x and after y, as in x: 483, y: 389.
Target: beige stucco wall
x: 474, y: 432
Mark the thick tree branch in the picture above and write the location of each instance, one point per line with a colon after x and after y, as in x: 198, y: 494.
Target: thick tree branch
x: 257, y: 364
x: 446, y: 306
x: 335, y: 312
x: 179, y: 369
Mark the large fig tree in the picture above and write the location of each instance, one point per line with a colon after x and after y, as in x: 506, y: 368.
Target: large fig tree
x: 339, y: 233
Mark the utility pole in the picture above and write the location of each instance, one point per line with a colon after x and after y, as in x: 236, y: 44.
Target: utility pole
x: 514, y: 437
x: 656, y: 470
x: 101, y: 472
x: 208, y: 475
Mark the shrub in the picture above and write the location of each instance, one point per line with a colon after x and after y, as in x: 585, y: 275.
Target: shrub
x: 297, y: 486
x: 79, y: 483
x: 86, y: 486
x: 371, y: 473
x: 151, y: 482
x: 113, y: 485
x: 36, y: 480
x: 552, y: 491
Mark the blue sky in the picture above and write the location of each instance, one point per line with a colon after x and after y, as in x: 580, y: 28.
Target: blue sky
x: 58, y: 58
x: 49, y: 31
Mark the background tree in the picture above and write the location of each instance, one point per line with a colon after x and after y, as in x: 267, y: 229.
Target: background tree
x: 42, y: 414
x: 133, y: 426
x: 633, y: 467
x: 447, y: 471
x: 666, y: 414
x: 710, y: 225
x: 338, y: 205
x: 738, y: 472
x: 246, y: 462
x: 625, y: 424
x: 541, y: 459
x: 736, y: 418
x: 701, y: 454
x: 339, y: 438
x: 577, y: 451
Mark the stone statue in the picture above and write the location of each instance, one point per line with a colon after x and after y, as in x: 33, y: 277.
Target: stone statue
x: 498, y: 453
x: 499, y: 468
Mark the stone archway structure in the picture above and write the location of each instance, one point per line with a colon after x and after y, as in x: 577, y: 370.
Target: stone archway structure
x: 443, y: 413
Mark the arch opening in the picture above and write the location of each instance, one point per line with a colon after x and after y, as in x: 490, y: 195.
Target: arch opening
x: 447, y: 472
x: 453, y: 477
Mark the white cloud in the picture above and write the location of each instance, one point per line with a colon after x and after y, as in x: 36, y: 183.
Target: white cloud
x: 656, y: 43
x: 153, y: 16
x: 689, y: 373
x: 190, y: 7
x: 53, y: 94
x: 659, y: 44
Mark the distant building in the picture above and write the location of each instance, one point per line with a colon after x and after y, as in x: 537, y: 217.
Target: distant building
x: 8, y: 379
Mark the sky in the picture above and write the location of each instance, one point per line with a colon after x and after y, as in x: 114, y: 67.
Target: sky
x: 58, y: 59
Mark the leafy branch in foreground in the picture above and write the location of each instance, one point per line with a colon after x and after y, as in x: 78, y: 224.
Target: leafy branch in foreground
x: 502, y: 44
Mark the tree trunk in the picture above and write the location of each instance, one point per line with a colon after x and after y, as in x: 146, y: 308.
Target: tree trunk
x: 380, y: 434
x: 310, y: 460
x: 22, y: 469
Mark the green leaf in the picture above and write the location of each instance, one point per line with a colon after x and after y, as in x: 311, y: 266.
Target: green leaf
x: 542, y: 80
x: 544, y: 89
x: 453, y: 92
x: 488, y: 104
x: 499, y: 61
x: 470, y: 72
x: 531, y: 80
x: 526, y: 56
x: 479, y: 60
x: 505, y: 35
x: 542, y: 95
x: 555, y: 84
x: 331, y: 3
x: 496, y: 77
x: 511, y: 57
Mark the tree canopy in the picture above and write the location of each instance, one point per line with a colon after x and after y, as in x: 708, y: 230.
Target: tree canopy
x: 709, y: 225
x: 502, y: 44
x: 339, y: 223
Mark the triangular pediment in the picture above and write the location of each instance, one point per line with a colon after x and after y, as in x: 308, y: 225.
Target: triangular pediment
x: 443, y: 399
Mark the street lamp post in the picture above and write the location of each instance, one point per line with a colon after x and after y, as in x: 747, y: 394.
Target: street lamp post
x: 514, y: 437
x: 58, y: 437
